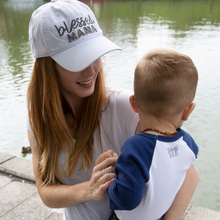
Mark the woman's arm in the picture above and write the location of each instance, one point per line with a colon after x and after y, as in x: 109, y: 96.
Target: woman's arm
x: 184, y: 196
x: 59, y: 196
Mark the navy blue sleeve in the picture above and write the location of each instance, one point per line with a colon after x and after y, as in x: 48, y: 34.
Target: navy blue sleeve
x: 132, y: 170
x: 191, y: 143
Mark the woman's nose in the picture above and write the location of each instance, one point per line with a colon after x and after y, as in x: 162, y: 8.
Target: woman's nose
x: 89, y: 71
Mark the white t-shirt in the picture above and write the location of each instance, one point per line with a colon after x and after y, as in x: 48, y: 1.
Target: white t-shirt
x: 118, y: 122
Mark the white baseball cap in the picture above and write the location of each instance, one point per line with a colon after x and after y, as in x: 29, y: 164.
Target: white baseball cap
x: 68, y: 31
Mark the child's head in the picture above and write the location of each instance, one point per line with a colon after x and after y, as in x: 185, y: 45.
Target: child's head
x: 165, y: 82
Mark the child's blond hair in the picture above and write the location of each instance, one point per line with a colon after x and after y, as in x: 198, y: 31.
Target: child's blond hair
x: 165, y: 82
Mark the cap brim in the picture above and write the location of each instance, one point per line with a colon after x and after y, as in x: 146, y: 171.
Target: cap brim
x: 79, y: 57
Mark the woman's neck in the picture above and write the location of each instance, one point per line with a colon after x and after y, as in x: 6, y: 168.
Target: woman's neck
x: 74, y: 101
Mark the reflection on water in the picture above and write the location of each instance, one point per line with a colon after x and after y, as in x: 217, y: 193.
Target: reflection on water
x: 15, y: 68
x: 190, y: 27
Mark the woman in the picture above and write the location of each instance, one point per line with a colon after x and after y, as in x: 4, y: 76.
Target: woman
x: 74, y: 117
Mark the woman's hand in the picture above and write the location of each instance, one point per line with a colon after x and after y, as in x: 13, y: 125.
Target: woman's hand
x: 103, y: 175
x: 105, y: 155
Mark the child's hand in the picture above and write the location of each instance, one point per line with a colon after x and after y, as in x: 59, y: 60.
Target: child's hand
x: 104, y: 156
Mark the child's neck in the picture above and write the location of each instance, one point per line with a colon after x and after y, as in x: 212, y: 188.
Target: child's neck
x: 164, y: 124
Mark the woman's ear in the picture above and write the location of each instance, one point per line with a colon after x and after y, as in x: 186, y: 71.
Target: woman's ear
x: 187, y: 111
x: 133, y: 103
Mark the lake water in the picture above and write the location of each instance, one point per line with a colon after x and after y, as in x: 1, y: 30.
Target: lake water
x: 189, y: 26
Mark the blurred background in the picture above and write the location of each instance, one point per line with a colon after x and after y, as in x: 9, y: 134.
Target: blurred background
x: 187, y: 26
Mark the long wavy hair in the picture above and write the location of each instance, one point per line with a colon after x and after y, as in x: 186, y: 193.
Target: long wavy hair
x: 47, y: 110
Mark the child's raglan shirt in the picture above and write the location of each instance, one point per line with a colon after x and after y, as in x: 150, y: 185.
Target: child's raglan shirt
x: 150, y: 171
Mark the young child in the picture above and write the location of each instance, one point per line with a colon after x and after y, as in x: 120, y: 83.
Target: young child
x: 152, y: 165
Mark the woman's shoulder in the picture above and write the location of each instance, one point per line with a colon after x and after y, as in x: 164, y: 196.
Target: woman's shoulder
x: 117, y: 102
x: 117, y: 92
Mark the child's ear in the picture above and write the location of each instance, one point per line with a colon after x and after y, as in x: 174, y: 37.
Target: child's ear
x: 187, y: 111
x: 133, y: 103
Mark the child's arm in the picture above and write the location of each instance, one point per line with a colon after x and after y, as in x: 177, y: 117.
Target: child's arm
x: 126, y: 192
x: 183, y: 197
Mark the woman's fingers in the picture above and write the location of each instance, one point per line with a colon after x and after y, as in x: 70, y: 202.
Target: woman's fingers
x: 100, y: 182
x: 115, y: 154
x: 105, y: 155
x: 105, y: 181
x: 106, y: 177
x: 100, y: 192
x: 109, y: 169
x: 106, y: 163
x: 103, y: 175
x: 106, y: 185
